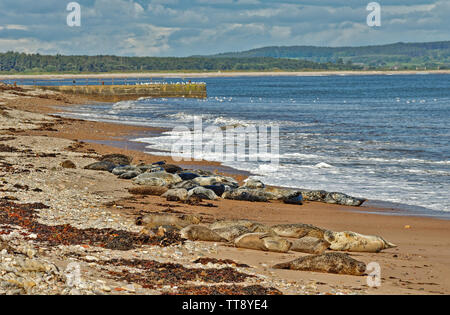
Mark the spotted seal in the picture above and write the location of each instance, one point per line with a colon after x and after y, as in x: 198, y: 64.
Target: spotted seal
x: 310, y: 245
x: 232, y: 232
x: 298, y: 230
x: 337, y: 263
x: 264, y: 242
x: 200, y: 233
x: 355, y: 242
x: 155, y: 220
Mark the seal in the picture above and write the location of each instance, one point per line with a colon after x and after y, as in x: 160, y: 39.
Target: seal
x: 201, y: 233
x: 309, y: 245
x: 155, y: 220
x: 298, y: 230
x: 232, y: 232
x: 264, y: 242
x: 355, y: 242
x: 337, y: 263
x: 178, y: 194
x: 251, y: 225
x: 229, y: 223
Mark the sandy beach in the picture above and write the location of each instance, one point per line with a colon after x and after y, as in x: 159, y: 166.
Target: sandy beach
x: 34, y: 142
x: 214, y: 74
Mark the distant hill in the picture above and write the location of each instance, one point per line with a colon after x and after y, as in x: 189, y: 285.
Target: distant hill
x: 404, y: 55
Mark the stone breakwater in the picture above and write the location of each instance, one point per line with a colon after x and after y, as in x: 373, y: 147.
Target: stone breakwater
x: 116, y: 93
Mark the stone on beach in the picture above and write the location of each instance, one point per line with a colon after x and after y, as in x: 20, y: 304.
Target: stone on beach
x: 264, y: 242
x: 309, y: 245
x: 68, y: 164
x: 179, y: 194
x: 202, y: 193
x: 355, y: 242
x: 200, y: 233
x: 337, y: 263
x: 298, y: 230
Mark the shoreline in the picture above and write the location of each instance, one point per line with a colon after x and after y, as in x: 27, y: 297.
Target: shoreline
x: 418, y: 266
x: 377, y: 207
x: 217, y: 74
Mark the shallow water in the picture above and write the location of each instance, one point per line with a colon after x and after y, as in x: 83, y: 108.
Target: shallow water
x: 378, y: 137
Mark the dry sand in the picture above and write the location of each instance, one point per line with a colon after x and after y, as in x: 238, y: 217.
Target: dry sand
x: 420, y: 264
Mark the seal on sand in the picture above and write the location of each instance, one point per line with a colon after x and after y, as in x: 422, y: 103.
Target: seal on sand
x: 355, y: 242
x: 232, y: 232
x: 251, y: 225
x: 337, y: 263
x: 263, y: 241
x: 200, y: 233
x: 229, y: 223
x: 310, y: 245
x: 298, y: 230
x: 155, y: 220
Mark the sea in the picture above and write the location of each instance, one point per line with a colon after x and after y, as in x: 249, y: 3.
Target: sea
x: 381, y: 137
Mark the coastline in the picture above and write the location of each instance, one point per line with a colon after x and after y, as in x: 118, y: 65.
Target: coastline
x: 215, y: 74
x: 126, y: 142
x: 418, y: 266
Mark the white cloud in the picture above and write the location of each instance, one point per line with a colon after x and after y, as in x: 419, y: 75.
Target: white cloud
x: 187, y: 27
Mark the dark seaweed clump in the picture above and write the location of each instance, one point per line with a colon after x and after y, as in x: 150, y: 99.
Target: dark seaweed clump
x: 24, y: 215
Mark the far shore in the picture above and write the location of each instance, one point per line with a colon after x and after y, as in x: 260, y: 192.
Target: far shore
x: 215, y: 74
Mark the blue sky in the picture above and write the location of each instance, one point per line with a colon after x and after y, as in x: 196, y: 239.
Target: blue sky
x: 190, y: 27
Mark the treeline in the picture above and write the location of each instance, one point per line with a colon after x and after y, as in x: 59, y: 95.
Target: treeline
x: 13, y: 62
x: 406, y: 55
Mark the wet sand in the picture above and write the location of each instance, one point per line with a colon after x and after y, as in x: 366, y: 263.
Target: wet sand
x: 420, y: 264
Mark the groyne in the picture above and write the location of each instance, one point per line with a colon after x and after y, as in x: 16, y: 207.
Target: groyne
x: 116, y: 93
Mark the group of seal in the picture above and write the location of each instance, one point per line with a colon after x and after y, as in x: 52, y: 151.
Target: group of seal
x: 281, y: 238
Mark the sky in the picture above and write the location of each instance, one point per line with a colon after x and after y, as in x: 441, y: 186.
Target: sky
x: 201, y: 27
